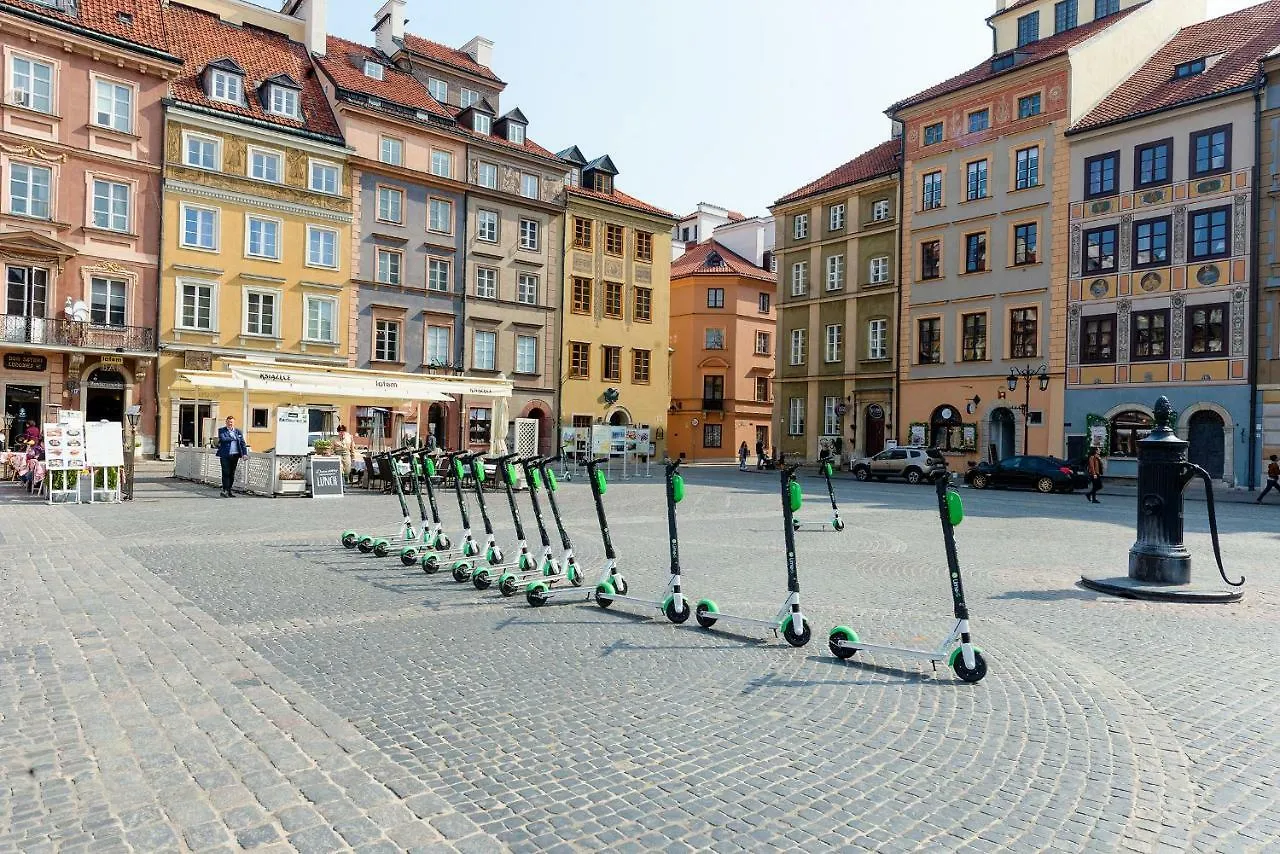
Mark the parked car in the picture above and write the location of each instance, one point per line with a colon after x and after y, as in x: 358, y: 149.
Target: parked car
x: 1043, y: 474
x: 911, y: 464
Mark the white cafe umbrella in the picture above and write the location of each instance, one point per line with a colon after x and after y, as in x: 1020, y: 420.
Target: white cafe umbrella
x: 498, y: 428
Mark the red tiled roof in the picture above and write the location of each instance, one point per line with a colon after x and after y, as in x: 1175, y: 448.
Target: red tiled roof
x: 1014, y: 5
x: 146, y: 25
x: 735, y: 216
x: 448, y: 55
x: 528, y: 146
x: 694, y: 263
x: 1038, y: 51
x: 1241, y: 39
x: 620, y: 198
x: 200, y: 38
x: 881, y: 160
x: 344, y: 63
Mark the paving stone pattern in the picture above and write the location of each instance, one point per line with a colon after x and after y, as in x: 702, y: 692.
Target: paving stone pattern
x: 194, y: 673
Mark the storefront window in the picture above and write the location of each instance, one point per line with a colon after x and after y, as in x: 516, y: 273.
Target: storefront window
x: 479, y: 425
x: 1127, y: 429
x: 947, y: 433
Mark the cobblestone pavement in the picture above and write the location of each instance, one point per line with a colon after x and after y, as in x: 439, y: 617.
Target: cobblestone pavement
x: 192, y: 673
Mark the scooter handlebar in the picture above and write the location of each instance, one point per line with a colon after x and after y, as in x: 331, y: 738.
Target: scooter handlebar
x: 672, y: 465
x: 597, y: 461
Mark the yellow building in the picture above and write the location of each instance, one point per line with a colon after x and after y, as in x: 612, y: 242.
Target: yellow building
x: 615, y: 313
x: 257, y: 227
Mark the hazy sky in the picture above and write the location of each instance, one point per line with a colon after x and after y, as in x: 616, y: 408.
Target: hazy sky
x: 734, y: 102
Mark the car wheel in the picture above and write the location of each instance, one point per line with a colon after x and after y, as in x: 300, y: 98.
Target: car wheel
x: 979, y: 481
x: 913, y: 476
x: 861, y: 473
x: 1045, y: 485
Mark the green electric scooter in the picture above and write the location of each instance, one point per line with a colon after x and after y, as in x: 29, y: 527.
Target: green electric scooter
x: 434, y: 541
x: 836, y: 523
x: 549, y: 571
x: 492, y: 552
x: 482, y: 577
x: 406, y: 534
x: 957, y: 648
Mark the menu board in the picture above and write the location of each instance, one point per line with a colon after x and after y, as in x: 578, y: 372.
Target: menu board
x: 291, y: 430
x: 64, y: 446
x: 104, y: 441
x: 326, y: 477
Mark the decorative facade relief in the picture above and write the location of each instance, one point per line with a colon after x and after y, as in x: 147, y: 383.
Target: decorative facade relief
x: 510, y: 181
x: 1239, y: 318
x: 1073, y: 335
x: 1075, y: 251
x: 1122, y: 329
x: 1178, y: 321
x: 1240, y: 219
x: 1180, y: 234
x: 1126, y: 242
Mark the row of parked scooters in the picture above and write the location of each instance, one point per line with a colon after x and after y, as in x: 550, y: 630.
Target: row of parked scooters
x: 546, y: 578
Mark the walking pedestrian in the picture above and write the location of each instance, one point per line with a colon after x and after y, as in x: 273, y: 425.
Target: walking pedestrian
x: 742, y: 456
x: 1273, y: 477
x: 1094, y: 466
x: 759, y: 455
x: 231, y: 447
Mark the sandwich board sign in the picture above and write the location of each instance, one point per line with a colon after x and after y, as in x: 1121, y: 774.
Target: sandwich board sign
x: 326, y: 477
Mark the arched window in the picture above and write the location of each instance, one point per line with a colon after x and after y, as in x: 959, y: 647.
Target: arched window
x: 1127, y: 429
x: 945, y: 431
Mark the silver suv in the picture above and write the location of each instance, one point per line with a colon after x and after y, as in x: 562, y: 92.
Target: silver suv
x: 911, y: 464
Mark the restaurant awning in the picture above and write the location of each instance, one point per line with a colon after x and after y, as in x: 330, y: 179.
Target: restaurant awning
x: 318, y: 381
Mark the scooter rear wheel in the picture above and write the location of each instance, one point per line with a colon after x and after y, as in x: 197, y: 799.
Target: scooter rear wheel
x: 705, y: 609
x: 791, y: 636
x: 461, y: 571
x: 604, y: 594
x: 430, y: 564
x: 966, y: 675
x: 480, y: 578
x: 409, y: 556
x: 508, y: 585
x: 349, y: 539
x: 536, y: 595
x: 842, y: 633
x: 381, y: 548
x: 365, y: 545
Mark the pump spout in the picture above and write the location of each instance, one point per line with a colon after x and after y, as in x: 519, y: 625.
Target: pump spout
x: 1192, y: 470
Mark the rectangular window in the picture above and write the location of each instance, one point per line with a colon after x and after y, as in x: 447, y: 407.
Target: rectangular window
x: 933, y: 133
x: 613, y: 239
x: 1151, y: 163
x: 640, y: 366
x: 284, y: 101
x: 582, y: 233
x: 438, y: 274
x: 1206, y: 330
x: 800, y: 226
x: 529, y: 185
x: 324, y: 178
x: 111, y: 205
x: 32, y: 84
x: 644, y: 305
x: 482, y: 124
x: 715, y: 297
x: 579, y: 360
x: 799, y: 278
x: 713, y: 339
x: 487, y: 175
x: 1210, y: 233
x: 320, y: 314
x: 1027, y: 168
x: 611, y: 364
x: 1025, y: 243
x: 1150, y: 335
x: 712, y: 388
x: 479, y: 425
x: 762, y: 389
x: 1024, y: 333
x: 196, y: 307
x: 581, y: 295
x: 976, y: 180
x: 390, y: 204
x: 263, y: 238
x: 261, y: 418
x: 835, y: 218
x: 1097, y: 339
x: 107, y: 301
x: 1028, y: 29
x: 439, y: 351
x: 763, y: 303
x: 487, y: 282
x: 1065, y: 15
x: 113, y: 105
x: 468, y: 97
x: 264, y: 165
x: 880, y: 210
x: 979, y: 120
x: 613, y: 299
x: 391, y: 151
x: 389, y: 262
x: 973, y: 337
x: 441, y: 164
x: 526, y: 354
x: 440, y: 213
x: 831, y: 416
x: 644, y: 246
x: 1151, y: 242
x: 1103, y: 8
x: 712, y: 435
x: 527, y: 289
x: 199, y: 228
x: 878, y: 339
x: 1100, y: 174
x: 1190, y: 69
x: 833, y: 337
x: 30, y: 190
x: 931, y: 192
x: 485, y: 351
x: 487, y: 226
x: 795, y: 416
x: 975, y: 252
x: 202, y: 152
x: 226, y: 86
x: 763, y: 340
x: 439, y: 89
x: 260, y: 313
x: 931, y: 259
x: 1100, y: 250
x: 1211, y: 151
x: 929, y: 338
x: 322, y: 247
x: 835, y: 272
x: 798, y: 346
x: 879, y: 269
x: 1028, y: 106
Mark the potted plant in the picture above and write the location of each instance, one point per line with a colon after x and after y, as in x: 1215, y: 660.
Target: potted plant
x: 324, y: 447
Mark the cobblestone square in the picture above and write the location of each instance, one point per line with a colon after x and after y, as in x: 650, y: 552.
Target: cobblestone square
x: 189, y: 673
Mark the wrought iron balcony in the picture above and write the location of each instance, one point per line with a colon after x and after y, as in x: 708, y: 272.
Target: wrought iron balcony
x: 58, y: 332
x: 713, y: 404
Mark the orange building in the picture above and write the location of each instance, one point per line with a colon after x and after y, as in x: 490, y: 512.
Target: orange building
x: 723, y: 325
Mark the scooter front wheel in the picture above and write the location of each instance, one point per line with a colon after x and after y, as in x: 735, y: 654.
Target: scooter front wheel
x: 443, y: 542
x: 494, y: 556
x: 572, y: 573
x: 791, y: 636
x: 674, y: 614
x: 838, y: 524
x: 706, y: 608
x: 620, y: 585
x: 969, y: 675
x: 836, y: 636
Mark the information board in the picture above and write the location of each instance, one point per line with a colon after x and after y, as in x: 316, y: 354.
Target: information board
x: 104, y: 443
x: 326, y: 477
x: 291, y: 431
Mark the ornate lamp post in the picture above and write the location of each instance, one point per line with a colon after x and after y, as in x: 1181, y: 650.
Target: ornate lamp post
x: 1026, y: 375
x: 133, y: 414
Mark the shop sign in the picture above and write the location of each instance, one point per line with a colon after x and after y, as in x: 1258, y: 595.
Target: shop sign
x: 112, y: 360
x: 875, y: 412
x: 25, y: 362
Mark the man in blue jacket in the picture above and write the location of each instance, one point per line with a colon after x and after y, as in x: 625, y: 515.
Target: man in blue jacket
x: 231, y: 448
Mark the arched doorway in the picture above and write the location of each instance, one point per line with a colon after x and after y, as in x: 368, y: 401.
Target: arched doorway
x: 436, y: 424
x: 1003, y: 433
x: 1207, y: 434
x: 873, y: 429
x: 944, y: 429
x: 620, y: 418
x: 104, y: 396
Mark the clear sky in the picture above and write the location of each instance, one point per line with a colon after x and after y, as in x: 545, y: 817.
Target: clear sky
x: 734, y: 102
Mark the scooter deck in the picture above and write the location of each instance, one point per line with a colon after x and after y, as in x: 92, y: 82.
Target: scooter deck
x: 936, y: 656
x: 774, y: 624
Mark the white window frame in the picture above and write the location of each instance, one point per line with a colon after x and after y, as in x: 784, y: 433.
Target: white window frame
x: 385, y: 356
x: 317, y: 168
x: 486, y: 335
x: 467, y: 97
x: 515, y: 133
x: 389, y: 193
x: 487, y: 225
x: 836, y: 217
x: 766, y: 338
x: 833, y: 342
x: 31, y: 95
x: 799, y: 278
x: 265, y: 156
x: 307, y: 300
x: 490, y: 277
x: 523, y: 294
x: 385, y: 252
x: 439, y: 156
x: 713, y: 338
x: 798, y: 341
x: 249, y: 220
x: 215, y: 141
x: 391, y: 150
x: 373, y: 70
x: 433, y: 264
x: 878, y: 338
x: 110, y: 281
x: 313, y: 230
x: 30, y: 200
x: 530, y: 234
x: 428, y: 357
x: 482, y: 123
x: 284, y: 101
x: 533, y: 354
x: 835, y: 272
x: 878, y: 269
x: 525, y: 187
x: 800, y: 226
x: 880, y: 210
x: 181, y: 285
x: 111, y: 224
x: 183, y: 209
x: 231, y: 84
x: 115, y: 87
x: 481, y: 168
x: 830, y: 416
x: 795, y: 416
x: 276, y: 296
x: 433, y: 86
x: 434, y: 204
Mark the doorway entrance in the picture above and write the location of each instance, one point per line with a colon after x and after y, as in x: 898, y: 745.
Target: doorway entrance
x: 194, y: 426
x: 23, y: 403
x: 1207, y: 435
x: 873, y: 429
x: 104, y: 396
x: 436, y: 424
x: 1003, y: 430
x: 619, y: 418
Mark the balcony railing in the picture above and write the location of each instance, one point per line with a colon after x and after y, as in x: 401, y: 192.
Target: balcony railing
x: 58, y: 332
x: 713, y: 404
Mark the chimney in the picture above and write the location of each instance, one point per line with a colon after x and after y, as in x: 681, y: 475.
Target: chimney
x: 388, y: 27
x: 313, y: 14
x: 1000, y: 4
x: 481, y: 50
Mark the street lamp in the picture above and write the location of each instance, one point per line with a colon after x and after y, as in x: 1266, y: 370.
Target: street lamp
x: 1026, y: 375
x: 133, y: 414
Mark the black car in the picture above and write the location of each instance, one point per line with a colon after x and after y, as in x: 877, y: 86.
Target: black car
x: 1044, y: 474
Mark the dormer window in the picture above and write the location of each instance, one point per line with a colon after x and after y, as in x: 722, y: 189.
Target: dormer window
x: 573, y: 178
x: 515, y: 133
x: 1190, y: 69
x: 481, y: 123
x: 283, y: 101
x: 1000, y: 63
x: 226, y: 86
x: 603, y: 183
x: 372, y: 70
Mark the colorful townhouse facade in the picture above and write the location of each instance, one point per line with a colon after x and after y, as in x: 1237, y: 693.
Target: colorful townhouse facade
x: 986, y: 219
x: 257, y: 223
x: 81, y: 145
x: 615, y: 362
x: 723, y: 337
x: 837, y: 257
x: 1267, y: 361
x: 1162, y: 269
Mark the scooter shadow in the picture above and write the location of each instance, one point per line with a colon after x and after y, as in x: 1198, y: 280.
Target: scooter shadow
x: 625, y: 646
x: 904, y: 675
